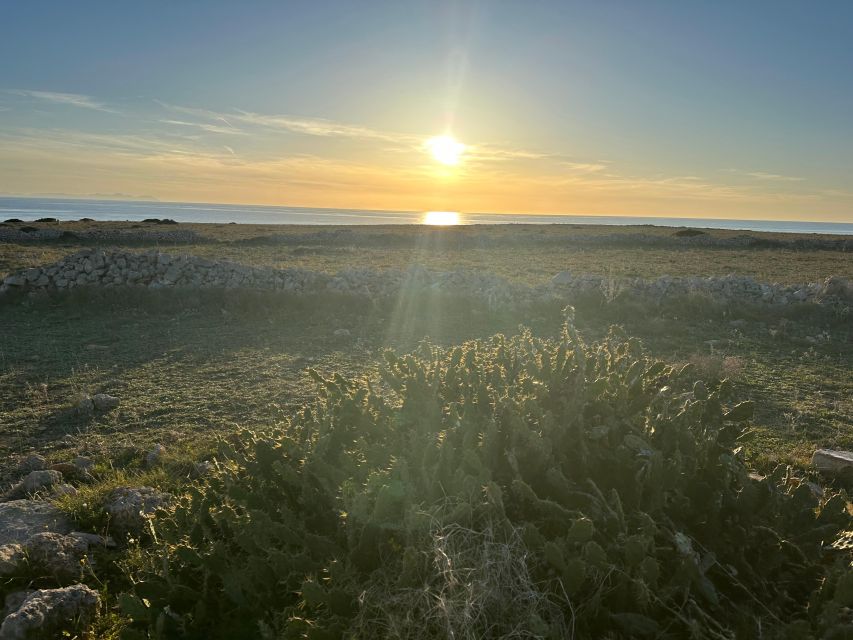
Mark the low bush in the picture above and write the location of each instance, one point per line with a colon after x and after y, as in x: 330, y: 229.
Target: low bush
x: 508, y: 488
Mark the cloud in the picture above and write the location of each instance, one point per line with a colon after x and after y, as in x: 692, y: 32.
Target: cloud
x: 210, y: 128
x: 325, y: 128
x: 71, y: 99
x: 52, y: 139
x: 761, y: 175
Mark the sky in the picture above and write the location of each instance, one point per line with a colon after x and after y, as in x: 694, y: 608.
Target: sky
x: 686, y: 109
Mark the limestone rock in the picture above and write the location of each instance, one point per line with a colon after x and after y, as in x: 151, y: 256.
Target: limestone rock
x: 64, y: 489
x: 20, y: 519
x: 33, y: 462
x: 47, y: 613
x: 57, y: 555
x: 15, y: 280
x: 155, y: 457
x: 11, y: 557
x: 93, y: 539
x: 14, y: 600
x: 129, y: 507
x: 838, y: 464
x: 105, y: 402
x: 86, y: 406
x: 34, y: 482
x: 83, y: 463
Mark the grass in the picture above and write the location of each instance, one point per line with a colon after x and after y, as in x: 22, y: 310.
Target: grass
x: 189, y: 366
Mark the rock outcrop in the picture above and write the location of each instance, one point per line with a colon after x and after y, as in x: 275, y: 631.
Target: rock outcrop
x: 47, y: 613
x: 21, y: 519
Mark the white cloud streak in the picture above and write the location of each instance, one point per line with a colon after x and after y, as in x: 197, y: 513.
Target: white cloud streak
x: 210, y: 128
x: 69, y: 99
x: 762, y: 175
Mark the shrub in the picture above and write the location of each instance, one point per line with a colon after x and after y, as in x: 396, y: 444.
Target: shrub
x: 507, y: 488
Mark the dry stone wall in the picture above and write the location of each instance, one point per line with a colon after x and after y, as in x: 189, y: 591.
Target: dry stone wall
x: 152, y: 269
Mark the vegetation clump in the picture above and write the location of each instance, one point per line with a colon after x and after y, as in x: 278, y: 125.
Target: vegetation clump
x: 507, y: 488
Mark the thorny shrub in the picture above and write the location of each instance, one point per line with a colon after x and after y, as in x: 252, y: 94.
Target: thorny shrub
x: 508, y: 488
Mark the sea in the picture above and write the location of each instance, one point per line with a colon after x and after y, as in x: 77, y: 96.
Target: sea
x: 32, y: 208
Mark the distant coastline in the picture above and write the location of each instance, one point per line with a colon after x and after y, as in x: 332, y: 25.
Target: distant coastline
x: 32, y: 208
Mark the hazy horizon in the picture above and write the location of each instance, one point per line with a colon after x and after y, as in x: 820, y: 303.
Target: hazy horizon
x: 652, y: 110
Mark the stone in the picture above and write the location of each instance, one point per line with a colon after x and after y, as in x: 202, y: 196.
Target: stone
x: 86, y: 406
x: 35, y: 481
x: 20, y: 519
x: 64, y: 489
x: 342, y: 333
x: 800, y: 295
x: 14, y: 600
x: 83, y: 463
x: 834, y: 463
x: 155, y: 457
x: 15, y: 280
x: 47, y: 613
x: 57, y: 555
x: 563, y: 278
x: 203, y: 468
x: 33, y: 462
x: 105, y: 402
x: 12, y: 556
x: 130, y: 507
x: 93, y: 539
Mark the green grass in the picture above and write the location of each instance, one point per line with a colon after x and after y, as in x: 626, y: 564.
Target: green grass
x: 190, y: 366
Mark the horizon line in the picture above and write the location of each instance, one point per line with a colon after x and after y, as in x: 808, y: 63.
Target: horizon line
x: 154, y: 200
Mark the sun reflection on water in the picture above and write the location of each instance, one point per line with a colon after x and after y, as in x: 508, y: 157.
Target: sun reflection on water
x: 441, y: 218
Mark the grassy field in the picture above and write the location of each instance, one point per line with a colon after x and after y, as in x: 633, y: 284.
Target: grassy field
x: 189, y: 366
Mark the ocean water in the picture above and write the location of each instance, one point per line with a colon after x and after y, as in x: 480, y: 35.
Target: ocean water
x: 135, y: 210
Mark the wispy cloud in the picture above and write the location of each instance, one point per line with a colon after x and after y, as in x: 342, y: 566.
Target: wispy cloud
x: 325, y: 128
x: 70, y: 99
x: 761, y: 175
x: 210, y: 128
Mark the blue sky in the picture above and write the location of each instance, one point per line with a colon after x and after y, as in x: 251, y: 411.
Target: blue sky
x: 718, y: 109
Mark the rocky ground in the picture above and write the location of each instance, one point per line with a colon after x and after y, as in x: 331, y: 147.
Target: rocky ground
x: 153, y: 269
x: 37, y: 539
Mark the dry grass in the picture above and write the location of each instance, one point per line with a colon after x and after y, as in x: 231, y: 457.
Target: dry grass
x: 530, y: 254
x: 480, y: 586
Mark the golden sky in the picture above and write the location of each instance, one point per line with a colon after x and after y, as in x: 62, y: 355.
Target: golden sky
x: 629, y: 109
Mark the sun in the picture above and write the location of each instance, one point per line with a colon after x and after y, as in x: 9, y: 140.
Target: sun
x: 446, y: 149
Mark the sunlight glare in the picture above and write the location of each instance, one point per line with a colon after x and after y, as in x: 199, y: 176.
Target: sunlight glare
x: 441, y: 218
x: 446, y: 149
